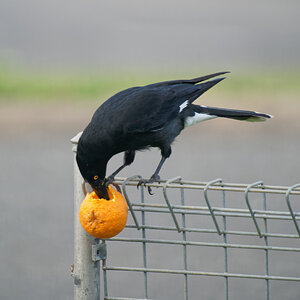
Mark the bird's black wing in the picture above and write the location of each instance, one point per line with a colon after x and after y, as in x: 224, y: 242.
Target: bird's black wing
x: 151, y: 107
x: 149, y: 110
x: 188, y: 81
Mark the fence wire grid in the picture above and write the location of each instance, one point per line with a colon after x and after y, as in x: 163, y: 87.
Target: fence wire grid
x: 204, y: 240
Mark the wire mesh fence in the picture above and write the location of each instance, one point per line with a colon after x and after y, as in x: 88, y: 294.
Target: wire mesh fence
x: 207, y: 231
x: 197, y: 240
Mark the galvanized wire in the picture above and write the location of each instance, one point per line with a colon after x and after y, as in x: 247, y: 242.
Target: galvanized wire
x: 220, y: 215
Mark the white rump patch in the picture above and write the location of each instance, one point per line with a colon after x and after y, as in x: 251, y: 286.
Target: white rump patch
x: 189, y: 121
x: 183, y: 106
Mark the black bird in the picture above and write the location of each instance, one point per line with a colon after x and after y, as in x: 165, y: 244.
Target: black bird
x: 142, y: 117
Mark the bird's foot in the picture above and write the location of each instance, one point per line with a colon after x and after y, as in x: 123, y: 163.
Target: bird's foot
x: 109, y: 180
x: 154, y: 178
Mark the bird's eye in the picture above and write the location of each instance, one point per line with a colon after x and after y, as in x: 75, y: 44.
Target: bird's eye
x: 96, y: 177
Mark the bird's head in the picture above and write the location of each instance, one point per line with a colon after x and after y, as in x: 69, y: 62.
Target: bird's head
x: 94, y: 173
x: 99, y: 186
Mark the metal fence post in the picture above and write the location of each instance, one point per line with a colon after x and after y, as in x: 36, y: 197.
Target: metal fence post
x: 86, y: 270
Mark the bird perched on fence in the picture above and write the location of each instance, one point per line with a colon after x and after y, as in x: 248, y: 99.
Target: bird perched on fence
x: 142, y: 117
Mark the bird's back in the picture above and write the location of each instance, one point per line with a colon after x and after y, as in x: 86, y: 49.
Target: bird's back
x: 144, y: 116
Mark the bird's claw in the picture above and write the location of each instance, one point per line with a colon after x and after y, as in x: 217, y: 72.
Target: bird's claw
x: 150, y: 191
x: 141, y: 182
x: 110, y: 180
x: 145, y: 181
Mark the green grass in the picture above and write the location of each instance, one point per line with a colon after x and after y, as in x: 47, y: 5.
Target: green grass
x: 19, y: 85
x: 34, y: 86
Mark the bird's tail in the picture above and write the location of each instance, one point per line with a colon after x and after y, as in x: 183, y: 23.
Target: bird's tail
x: 242, y: 115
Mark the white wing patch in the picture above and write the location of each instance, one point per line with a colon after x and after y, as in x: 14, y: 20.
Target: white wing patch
x: 183, y: 106
x: 189, y: 121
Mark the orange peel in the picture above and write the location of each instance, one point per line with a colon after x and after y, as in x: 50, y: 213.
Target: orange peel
x: 103, y: 218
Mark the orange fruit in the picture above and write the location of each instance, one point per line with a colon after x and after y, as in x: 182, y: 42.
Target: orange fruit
x: 103, y: 218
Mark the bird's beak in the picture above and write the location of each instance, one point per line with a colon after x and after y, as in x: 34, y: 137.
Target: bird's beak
x: 101, y: 189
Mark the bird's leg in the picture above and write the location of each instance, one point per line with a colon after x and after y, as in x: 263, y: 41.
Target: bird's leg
x: 110, y: 179
x: 154, y: 178
x: 128, y: 159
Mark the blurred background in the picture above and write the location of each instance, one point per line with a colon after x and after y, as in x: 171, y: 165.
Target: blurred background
x: 60, y: 59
